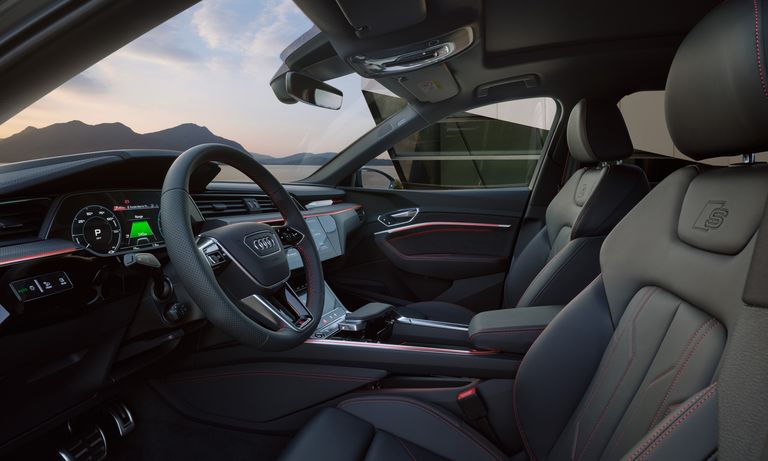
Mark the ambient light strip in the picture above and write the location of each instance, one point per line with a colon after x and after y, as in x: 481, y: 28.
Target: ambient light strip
x: 46, y: 254
x: 443, y: 223
x: 398, y: 347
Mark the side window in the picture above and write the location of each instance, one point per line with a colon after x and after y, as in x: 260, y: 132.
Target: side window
x: 492, y: 146
x: 654, y: 150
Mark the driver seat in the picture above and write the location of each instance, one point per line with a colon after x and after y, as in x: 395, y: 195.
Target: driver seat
x: 629, y: 369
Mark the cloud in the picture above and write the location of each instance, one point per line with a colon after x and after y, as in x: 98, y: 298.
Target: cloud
x: 166, y: 44
x: 254, y: 30
x: 86, y: 84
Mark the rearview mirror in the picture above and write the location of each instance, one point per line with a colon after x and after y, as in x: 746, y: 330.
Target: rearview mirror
x: 308, y: 90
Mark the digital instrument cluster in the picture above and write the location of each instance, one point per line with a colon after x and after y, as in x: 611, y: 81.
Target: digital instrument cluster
x: 112, y: 223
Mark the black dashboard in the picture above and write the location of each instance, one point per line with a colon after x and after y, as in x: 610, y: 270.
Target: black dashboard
x: 71, y: 310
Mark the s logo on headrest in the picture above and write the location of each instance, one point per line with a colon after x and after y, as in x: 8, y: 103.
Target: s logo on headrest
x: 712, y: 216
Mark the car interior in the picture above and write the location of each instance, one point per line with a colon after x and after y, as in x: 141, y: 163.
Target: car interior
x: 597, y: 300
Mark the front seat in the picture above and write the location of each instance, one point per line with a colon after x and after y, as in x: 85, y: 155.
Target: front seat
x: 630, y: 368
x: 562, y: 258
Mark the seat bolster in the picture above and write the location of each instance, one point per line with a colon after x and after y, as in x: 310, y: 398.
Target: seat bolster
x: 557, y: 370
x: 688, y: 433
x: 565, y: 275
x: 423, y: 425
x: 325, y: 432
x: 437, y: 310
x: 525, y: 266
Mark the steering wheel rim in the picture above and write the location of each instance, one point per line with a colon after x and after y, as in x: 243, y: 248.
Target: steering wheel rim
x: 267, y: 326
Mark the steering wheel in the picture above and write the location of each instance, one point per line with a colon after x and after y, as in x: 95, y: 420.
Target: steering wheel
x: 238, y: 273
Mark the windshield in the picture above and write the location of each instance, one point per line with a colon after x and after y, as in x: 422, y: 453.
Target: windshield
x: 202, y: 76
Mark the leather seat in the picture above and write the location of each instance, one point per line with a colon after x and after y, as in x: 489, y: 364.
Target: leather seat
x: 630, y: 368
x: 562, y: 258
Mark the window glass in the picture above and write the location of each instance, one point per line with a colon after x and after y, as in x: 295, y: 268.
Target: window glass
x: 644, y: 115
x: 492, y: 146
x: 202, y: 76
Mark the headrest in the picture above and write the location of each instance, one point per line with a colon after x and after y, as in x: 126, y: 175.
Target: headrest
x: 597, y: 132
x: 717, y: 89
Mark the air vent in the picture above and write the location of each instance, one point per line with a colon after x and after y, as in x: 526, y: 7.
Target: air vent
x: 219, y: 205
x: 21, y: 220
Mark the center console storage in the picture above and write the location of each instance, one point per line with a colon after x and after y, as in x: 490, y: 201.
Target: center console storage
x: 510, y: 330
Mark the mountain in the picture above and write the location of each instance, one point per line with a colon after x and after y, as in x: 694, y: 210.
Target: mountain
x: 75, y: 137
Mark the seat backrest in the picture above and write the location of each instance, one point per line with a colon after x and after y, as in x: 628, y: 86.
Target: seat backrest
x: 630, y: 368
x: 564, y: 256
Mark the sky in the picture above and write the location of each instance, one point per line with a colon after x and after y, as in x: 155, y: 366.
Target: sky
x: 210, y: 65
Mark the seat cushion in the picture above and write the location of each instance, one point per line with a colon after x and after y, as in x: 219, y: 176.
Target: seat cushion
x: 389, y: 428
x: 437, y: 310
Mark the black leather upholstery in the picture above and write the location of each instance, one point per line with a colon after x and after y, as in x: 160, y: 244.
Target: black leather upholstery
x: 510, y: 330
x: 717, y: 89
x: 630, y: 369
x: 437, y: 310
x: 389, y: 428
x: 597, y: 133
x: 562, y: 258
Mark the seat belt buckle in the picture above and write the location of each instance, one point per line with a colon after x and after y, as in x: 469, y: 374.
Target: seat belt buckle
x: 471, y: 404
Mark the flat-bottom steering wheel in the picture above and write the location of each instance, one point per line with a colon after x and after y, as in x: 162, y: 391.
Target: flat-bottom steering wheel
x: 238, y: 273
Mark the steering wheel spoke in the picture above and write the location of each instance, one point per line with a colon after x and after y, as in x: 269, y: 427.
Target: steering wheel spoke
x: 289, y: 237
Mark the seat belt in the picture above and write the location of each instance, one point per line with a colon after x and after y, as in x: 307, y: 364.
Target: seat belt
x: 476, y: 412
x: 743, y: 381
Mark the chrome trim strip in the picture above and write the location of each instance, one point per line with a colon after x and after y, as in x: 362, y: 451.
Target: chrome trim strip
x: 398, y: 347
x: 443, y: 223
x: 409, y: 213
x: 432, y: 324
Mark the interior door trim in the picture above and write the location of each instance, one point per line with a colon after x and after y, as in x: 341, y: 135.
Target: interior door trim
x: 441, y: 223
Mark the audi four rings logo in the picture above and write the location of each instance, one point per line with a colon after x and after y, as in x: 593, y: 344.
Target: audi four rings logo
x: 264, y: 243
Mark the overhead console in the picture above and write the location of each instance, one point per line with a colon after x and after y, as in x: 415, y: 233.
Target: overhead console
x: 413, y: 56
x: 405, y: 44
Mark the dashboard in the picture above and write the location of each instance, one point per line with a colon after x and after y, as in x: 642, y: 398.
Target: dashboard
x: 74, y: 318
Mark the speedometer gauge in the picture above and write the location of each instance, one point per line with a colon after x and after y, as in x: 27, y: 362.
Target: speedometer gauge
x: 96, y: 228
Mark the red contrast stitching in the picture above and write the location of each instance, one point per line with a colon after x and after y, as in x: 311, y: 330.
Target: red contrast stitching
x: 405, y: 447
x: 757, y: 49
x: 712, y: 324
x: 294, y: 374
x: 507, y: 330
x: 428, y: 411
x: 674, y: 421
x: 621, y: 380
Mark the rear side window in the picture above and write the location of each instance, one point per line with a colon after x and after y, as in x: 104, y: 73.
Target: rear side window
x: 493, y: 146
x: 644, y: 114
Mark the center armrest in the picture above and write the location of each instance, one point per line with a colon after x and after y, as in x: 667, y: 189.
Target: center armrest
x: 510, y: 330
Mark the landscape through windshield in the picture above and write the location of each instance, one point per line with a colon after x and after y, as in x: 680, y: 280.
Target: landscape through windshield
x: 200, y: 77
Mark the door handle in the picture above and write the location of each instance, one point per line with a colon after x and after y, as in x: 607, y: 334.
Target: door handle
x: 398, y: 217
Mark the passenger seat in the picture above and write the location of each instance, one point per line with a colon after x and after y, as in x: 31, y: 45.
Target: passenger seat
x: 563, y: 258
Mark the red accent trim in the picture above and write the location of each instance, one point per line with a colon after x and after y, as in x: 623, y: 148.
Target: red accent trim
x: 757, y: 49
x: 315, y: 215
x: 291, y: 374
x: 435, y: 231
x: 46, y: 254
x: 468, y: 393
x: 446, y: 223
x: 399, y: 347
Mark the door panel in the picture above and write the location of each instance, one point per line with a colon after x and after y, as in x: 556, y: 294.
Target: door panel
x: 456, y: 248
